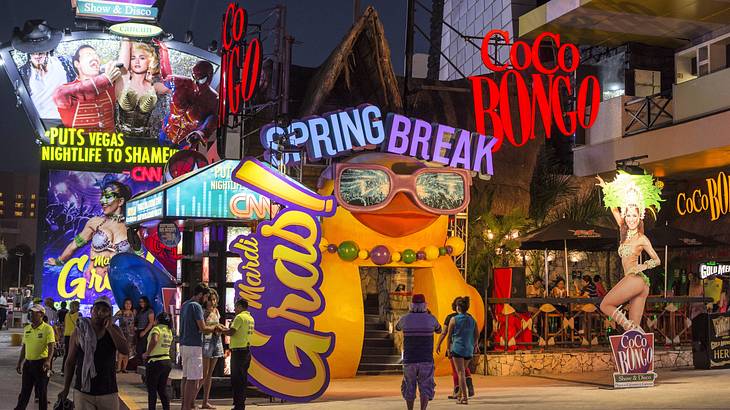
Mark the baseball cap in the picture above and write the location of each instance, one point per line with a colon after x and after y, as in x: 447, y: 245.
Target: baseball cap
x: 418, y: 298
x: 105, y: 300
x: 38, y: 308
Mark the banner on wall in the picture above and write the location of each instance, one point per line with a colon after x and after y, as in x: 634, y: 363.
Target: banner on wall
x: 280, y: 277
x: 116, y: 91
x: 81, y: 230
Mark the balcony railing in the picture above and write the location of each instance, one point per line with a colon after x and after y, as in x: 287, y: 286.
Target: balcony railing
x: 647, y: 113
x: 578, y: 323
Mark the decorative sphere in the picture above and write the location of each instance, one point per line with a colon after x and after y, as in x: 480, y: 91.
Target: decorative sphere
x: 442, y: 251
x: 380, y: 255
x: 457, y: 245
x: 332, y: 248
x: 432, y: 252
x: 449, y: 249
x: 395, y: 256
x: 420, y: 255
x: 348, y: 251
x: 408, y: 256
x: 363, y: 254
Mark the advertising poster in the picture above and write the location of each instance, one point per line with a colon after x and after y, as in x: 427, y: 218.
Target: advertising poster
x: 81, y: 230
x: 147, y: 91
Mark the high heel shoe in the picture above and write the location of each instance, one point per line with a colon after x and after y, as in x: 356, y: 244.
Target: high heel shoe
x: 624, y: 322
x: 462, y: 400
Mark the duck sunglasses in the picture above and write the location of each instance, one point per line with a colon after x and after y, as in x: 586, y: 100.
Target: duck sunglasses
x: 371, y: 187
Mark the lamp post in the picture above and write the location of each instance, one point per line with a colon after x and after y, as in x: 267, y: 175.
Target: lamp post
x: 20, y: 255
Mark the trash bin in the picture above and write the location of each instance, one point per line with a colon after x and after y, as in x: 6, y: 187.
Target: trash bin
x: 16, y: 339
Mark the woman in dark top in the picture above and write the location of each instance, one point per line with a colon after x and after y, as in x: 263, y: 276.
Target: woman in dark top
x: 143, y: 322
x: 589, y: 288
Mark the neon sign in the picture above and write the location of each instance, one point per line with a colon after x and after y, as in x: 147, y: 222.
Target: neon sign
x: 231, y: 92
x: 716, y: 200
x: 363, y: 127
x: 713, y: 268
x: 541, y: 98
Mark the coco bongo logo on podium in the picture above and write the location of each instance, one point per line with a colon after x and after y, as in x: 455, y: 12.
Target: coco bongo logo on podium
x: 540, y: 94
x: 633, y: 355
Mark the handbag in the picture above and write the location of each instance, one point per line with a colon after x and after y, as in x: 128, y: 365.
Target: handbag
x: 66, y: 404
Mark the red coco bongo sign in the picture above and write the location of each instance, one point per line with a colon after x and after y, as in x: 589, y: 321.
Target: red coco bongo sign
x: 240, y: 69
x: 633, y: 354
x: 543, y: 100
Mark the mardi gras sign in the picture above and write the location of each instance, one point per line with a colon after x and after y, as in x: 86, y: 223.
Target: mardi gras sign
x: 340, y: 132
x: 542, y: 97
x: 633, y: 355
x: 716, y: 199
x: 281, y: 278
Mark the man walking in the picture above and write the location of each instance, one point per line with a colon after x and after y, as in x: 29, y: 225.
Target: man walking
x: 192, y: 328
x: 35, y: 359
x: 240, y: 333
x: 92, y: 354
x: 418, y: 328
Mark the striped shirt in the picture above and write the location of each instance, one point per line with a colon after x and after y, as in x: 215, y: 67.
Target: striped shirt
x: 418, y: 329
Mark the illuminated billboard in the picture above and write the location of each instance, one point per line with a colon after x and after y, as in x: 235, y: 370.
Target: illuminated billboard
x: 149, y: 92
x: 82, y: 228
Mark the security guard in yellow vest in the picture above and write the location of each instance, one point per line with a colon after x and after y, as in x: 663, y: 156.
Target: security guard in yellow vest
x: 240, y: 332
x: 34, y: 362
x: 158, y: 361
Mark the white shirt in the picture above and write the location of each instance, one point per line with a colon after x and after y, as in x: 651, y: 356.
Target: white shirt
x: 43, y: 87
x: 3, y: 302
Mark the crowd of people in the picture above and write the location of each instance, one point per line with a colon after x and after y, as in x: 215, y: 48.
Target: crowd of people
x: 96, y: 348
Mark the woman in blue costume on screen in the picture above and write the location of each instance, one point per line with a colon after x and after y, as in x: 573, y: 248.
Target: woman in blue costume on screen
x: 107, y: 233
x: 628, y: 197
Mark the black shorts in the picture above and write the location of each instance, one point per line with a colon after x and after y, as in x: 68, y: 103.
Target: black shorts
x: 457, y: 356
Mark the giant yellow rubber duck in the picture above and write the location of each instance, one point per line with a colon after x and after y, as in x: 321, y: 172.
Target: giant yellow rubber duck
x: 395, y: 211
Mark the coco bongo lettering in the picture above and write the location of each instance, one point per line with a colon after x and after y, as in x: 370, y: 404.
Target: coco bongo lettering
x: 544, y: 99
x: 240, y: 69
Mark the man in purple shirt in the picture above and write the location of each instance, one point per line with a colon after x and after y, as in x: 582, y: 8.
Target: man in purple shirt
x: 418, y: 328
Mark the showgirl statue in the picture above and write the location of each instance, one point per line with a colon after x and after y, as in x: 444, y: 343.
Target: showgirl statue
x: 628, y: 197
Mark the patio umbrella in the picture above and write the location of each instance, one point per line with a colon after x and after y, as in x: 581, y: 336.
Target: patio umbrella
x: 669, y: 237
x: 568, y: 233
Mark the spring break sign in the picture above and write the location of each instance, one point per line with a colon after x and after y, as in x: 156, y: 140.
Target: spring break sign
x: 281, y: 280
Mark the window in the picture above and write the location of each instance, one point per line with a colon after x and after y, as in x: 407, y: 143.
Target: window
x: 647, y: 83
x: 19, y: 214
x: 19, y: 196
x: 32, y: 206
x: 19, y: 205
x: 32, y: 196
x: 32, y: 214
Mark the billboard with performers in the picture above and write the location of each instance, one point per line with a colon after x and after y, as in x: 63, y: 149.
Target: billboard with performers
x: 148, y: 91
x: 82, y: 229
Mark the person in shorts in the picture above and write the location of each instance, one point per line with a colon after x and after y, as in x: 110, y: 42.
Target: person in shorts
x: 192, y: 328
x: 418, y: 327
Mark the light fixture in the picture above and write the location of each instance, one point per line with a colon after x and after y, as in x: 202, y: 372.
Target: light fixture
x: 490, y: 234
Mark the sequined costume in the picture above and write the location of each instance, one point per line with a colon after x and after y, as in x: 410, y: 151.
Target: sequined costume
x: 135, y: 111
x: 87, y: 104
x: 624, y: 251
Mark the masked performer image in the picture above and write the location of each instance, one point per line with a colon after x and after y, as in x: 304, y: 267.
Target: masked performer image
x: 628, y: 197
x: 43, y: 71
x: 193, y: 111
x: 88, y: 102
x: 107, y: 233
x: 138, y: 97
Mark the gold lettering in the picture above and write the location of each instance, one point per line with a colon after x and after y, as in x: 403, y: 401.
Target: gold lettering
x: 79, y: 284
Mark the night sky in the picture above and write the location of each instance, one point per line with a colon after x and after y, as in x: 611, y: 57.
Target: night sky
x: 318, y: 26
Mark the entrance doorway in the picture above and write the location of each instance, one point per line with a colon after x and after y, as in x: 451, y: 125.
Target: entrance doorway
x: 386, y: 294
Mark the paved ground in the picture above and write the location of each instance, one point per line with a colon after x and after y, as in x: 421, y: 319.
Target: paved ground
x: 675, y: 389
